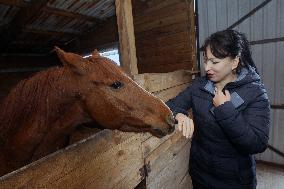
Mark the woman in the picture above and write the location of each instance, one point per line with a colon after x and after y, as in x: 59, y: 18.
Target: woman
x: 231, y: 115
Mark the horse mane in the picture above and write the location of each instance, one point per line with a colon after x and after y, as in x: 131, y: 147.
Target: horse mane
x: 36, y: 94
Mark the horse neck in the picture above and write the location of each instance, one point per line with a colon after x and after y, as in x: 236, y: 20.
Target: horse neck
x: 45, y: 95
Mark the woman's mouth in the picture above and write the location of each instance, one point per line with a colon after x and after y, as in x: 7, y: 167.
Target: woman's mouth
x: 209, y: 76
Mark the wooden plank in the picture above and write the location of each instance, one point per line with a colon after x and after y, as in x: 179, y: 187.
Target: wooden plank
x: 192, y: 34
x: 163, y: 40
x: 176, y: 18
x: 166, y: 11
x: 168, y: 165
x: 152, y: 143
x: 168, y: 58
x: 180, y: 49
x: 161, y: 31
x: 101, y: 161
x: 154, y: 82
x: 165, y: 37
x: 154, y: 5
x: 164, y: 68
x: 160, y: 157
x: 186, y: 182
x: 170, y: 93
x: 126, y: 36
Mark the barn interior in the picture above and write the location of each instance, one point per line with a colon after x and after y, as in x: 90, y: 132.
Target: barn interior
x: 30, y: 29
x: 165, y: 34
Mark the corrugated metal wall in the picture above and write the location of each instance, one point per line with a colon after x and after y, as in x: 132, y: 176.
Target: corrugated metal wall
x: 266, y: 23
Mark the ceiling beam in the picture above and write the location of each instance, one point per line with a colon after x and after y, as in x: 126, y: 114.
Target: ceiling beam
x: 65, y: 13
x: 49, y: 32
x: 52, y: 10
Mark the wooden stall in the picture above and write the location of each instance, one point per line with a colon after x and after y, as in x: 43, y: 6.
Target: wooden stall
x: 114, y: 159
x: 157, y: 49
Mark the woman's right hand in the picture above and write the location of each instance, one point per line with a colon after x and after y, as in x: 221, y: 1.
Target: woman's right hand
x: 185, y: 124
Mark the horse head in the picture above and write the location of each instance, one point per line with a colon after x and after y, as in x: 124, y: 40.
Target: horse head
x: 114, y: 100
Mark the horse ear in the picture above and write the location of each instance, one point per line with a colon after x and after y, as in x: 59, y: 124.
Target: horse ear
x: 96, y: 54
x: 71, y: 60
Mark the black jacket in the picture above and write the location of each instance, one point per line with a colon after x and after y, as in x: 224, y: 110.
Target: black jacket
x: 226, y: 137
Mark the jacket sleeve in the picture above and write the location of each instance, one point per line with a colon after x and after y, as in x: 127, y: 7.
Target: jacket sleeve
x: 182, y: 102
x: 248, y: 130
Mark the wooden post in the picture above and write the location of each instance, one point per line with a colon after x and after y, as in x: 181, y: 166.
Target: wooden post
x: 126, y: 36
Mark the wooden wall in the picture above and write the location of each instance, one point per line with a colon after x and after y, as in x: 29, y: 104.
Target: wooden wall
x: 165, y: 35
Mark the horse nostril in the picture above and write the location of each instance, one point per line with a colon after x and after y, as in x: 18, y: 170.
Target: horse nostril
x: 171, y: 129
x: 176, y: 121
x: 159, y: 132
x: 171, y: 120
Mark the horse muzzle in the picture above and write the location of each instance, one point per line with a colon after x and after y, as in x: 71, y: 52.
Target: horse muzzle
x: 171, y: 122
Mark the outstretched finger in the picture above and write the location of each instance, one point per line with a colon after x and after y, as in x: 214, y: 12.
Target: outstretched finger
x: 184, y: 128
x: 187, y: 128
x: 191, y: 127
x: 180, y: 125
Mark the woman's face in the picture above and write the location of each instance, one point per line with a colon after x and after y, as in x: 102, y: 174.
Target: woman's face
x: 217, y: 69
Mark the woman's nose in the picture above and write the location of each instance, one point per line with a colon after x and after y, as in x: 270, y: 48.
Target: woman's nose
x: 207, y: 66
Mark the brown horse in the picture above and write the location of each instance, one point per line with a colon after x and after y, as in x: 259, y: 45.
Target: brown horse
x: 40, y: 113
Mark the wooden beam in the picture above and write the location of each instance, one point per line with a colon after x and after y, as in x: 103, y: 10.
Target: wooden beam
x: 46, y: 32
x: 52, y: 10
x: 167, y: 94
x: 126, y: 36
x: 108, y: 159
x: 65, y: 13
x: 154, y: 82
x: 19, y: 21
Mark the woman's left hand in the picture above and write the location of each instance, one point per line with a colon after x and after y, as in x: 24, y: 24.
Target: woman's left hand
x: 221, y: 98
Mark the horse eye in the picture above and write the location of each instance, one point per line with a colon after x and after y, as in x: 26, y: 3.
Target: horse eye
x: 116, y: 85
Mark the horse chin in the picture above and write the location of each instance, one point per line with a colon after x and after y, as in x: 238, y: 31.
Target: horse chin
x: 130, y: 128
x: 154, y: 131
x: 158, y: 134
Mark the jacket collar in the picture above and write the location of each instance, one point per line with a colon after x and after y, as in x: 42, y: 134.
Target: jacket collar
x: 236, y: 99
x: 209, y: 87
x: 245, y: 76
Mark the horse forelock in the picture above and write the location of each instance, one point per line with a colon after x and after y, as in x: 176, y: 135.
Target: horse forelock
x: 107, y: 69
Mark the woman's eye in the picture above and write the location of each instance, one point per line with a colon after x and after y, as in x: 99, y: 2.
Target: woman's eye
x: 215, y: 62
x: 116, y: 85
